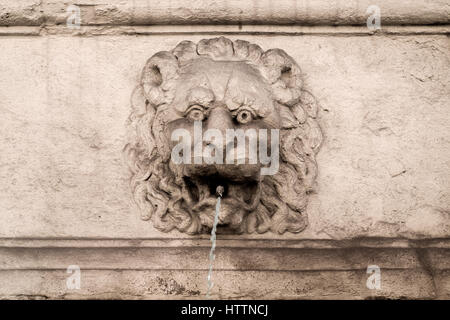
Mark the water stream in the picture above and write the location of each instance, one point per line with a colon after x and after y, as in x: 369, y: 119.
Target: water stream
x: 219, y: 193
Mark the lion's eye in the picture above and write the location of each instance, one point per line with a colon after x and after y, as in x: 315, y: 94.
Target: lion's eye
x: 244, y: 116
x: 196, y: 114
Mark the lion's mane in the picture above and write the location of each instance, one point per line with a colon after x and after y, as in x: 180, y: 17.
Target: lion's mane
x: 159, y: 192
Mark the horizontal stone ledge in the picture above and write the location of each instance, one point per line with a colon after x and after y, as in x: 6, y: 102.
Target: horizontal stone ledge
x: 243, y: 259
x: 185, y: 284
x: 223, y: 241
x: 193, y: 12
x: 221, y: 30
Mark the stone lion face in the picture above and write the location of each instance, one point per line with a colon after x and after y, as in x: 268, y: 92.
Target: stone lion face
x: 222, y: 85
x: 222, y: 95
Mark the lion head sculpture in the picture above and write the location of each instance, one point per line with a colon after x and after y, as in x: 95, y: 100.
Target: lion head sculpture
x: 223, y: 84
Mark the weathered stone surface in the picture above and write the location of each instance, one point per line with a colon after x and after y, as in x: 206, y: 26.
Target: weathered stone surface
x: 382, y: 196
x: 125, y: 284
x: 148, y: 12
x: 21, y: 13
x: 136, y: 270
x: 382, y: 171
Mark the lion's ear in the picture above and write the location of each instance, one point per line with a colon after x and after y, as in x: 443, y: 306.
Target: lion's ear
x: 159, y: 70
x: 284, y: 75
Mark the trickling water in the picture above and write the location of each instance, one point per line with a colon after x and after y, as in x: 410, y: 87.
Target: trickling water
x: 219, y: 192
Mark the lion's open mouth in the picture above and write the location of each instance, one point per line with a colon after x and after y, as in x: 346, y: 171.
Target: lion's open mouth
x: 202, y: 191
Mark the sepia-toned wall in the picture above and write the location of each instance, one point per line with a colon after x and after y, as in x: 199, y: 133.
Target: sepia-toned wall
x: 382, y: 196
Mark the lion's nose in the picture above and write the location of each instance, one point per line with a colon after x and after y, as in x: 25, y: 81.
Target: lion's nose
x: 220, y: 118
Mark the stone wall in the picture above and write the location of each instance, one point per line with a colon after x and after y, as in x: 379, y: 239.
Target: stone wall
x: 383, y: 190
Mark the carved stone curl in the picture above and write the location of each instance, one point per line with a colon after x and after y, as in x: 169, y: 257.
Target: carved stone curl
x: 221, y: 80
